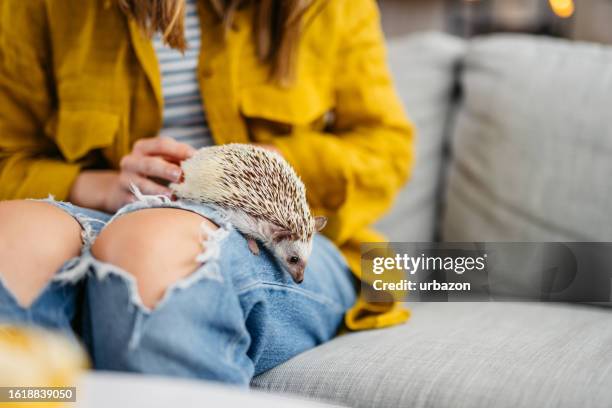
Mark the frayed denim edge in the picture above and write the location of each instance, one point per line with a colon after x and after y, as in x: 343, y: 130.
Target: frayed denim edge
x: 211, y: 240
x: 73, y: 270
x: 211, y: 250
x: 87, y: 233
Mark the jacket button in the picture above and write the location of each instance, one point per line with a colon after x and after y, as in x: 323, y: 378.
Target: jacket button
x: 333, y: 201
x: 207, y: 72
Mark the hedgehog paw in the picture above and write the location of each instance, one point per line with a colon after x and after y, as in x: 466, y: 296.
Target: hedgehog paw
x: 253, y: 246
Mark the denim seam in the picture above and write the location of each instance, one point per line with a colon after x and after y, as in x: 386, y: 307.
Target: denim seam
x: 231, y: 350
x: 66, y: 301
x: 277, y: 286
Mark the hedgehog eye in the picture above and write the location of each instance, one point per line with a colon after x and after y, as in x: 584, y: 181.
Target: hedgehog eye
x: 294, y: 260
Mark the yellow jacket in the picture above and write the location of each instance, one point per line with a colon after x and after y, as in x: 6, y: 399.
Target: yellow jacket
x: 80, y: 83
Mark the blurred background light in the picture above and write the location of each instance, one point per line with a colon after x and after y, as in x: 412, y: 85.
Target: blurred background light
x: 584, y: 20
x: 563, y: 8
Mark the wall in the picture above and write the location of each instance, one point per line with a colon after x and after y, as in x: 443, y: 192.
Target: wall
x: 592, y: 21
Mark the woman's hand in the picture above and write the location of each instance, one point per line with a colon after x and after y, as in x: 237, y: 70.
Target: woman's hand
x: 153, y: 163
x: 100, y: 190
x: 150, y: 166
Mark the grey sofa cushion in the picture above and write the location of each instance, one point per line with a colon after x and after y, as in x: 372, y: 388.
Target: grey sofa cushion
x: 423, y: 67
x: 463, y: 355
x: 533, y: 143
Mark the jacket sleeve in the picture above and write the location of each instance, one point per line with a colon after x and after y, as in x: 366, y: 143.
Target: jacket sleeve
x: 353, y: 172
x: 30, y: 164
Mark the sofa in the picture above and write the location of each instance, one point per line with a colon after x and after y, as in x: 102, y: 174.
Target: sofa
x: 514, y: 144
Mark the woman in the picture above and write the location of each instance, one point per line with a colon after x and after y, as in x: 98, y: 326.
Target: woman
x: 86, y: 89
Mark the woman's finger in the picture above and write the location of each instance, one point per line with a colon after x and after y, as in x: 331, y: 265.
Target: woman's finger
x: 145, y: 185
x: 151, y: 166
x: 164, y: 146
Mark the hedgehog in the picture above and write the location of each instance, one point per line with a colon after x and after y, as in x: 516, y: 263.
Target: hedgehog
x: 260, y: 194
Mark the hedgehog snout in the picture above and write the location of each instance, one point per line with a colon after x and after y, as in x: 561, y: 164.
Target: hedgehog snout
x: 295, y: 264
x: 293, y: 256
x: 296, y: 270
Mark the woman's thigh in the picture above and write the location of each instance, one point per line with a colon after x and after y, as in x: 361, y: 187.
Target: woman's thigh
x: 235, y: 315
x: 47, y: 248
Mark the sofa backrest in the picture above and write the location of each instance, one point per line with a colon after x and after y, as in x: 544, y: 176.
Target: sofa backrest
x: 531, y: 149
x: 532, y: 146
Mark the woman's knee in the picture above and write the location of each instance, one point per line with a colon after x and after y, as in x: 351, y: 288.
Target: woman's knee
x: 157, y: 246
x: 36, y: 239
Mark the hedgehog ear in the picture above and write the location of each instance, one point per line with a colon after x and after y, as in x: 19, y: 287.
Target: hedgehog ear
x: 277, y: 233
x: 320, y: 223
x: 281, y: 235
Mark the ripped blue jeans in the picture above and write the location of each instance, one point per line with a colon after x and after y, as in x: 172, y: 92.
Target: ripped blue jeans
x: 236, y: 316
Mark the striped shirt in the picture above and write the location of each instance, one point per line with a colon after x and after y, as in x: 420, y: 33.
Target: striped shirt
x: 184, y: 117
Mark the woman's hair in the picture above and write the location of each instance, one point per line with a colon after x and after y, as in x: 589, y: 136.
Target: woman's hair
x: 277, y: 26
